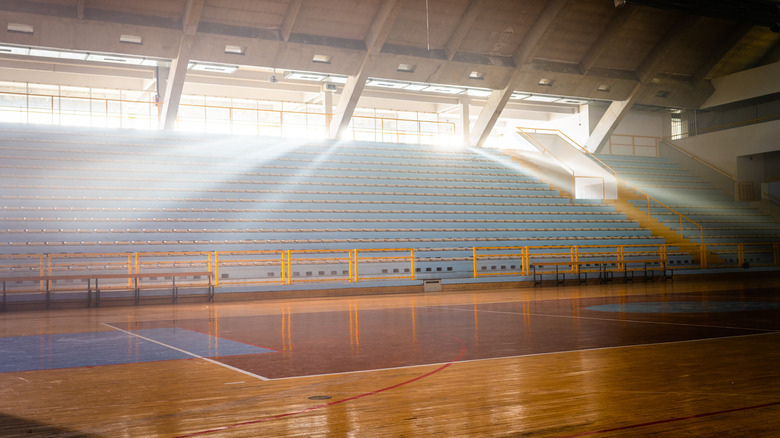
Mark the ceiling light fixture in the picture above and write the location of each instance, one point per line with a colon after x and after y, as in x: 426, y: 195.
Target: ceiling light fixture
x: 131, y: 39
x: 235, y: 50
x: 321, y: 59
x: 20, y: 28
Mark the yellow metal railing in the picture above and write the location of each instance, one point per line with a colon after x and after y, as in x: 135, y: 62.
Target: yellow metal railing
x: 695, y: 158
x: 592, y: 258
x: 344, y: 265
x: 635, y: 142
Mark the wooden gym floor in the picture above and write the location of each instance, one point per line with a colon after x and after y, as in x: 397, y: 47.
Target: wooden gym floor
x: 683, y: 358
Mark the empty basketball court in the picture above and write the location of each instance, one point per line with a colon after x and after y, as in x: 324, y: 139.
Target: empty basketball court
x: 683, y: 358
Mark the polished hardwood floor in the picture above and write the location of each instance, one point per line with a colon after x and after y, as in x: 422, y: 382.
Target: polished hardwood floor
x: 694, y: 358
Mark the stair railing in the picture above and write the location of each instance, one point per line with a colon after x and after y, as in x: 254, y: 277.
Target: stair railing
x: 694, y: 157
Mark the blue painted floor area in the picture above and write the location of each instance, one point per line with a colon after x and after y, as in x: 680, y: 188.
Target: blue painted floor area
x: 71, y: 350
x: 686, y: 307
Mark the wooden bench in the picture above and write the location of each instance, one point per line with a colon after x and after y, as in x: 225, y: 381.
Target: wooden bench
x: 134, y: 278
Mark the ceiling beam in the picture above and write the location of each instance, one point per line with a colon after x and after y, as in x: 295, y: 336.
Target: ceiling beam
x: 646, y: 71
x: 80, y: 9
x: 723, y: 47
x: 289, y: 18
x: 649, y: 67
x: 772, y: 55
x: 463, y: 27
x: 607, y: 36
x: 377, y: 34
x: 175, y: 83
x: 498, y: 99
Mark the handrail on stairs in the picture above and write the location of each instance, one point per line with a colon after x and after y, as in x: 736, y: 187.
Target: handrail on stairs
x: 772, y: 198
x: 625, y: 183
x: 694, y: 157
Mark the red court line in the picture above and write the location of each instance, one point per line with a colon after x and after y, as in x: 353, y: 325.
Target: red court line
x: 325, y: 405
x: 670, y: 420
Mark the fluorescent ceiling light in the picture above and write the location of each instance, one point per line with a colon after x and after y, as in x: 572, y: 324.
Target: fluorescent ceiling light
x: 114, y: 59
x: 416, y: 87
x: 12, y: 50
x: 58, y: 54
x: 131, y: 39
x: 386, y: 84
x: 478, y: 92
x: 445, y: 90
x: 336, y: 79
x: 73, y: 55
x: 214, y: 68
x: 573, y: 101
x: 518, y: 96
x: 542, y: 99
x: 46, y: 53
x: 150, y: 62
x: 300, y: 76
x: 20, y: 28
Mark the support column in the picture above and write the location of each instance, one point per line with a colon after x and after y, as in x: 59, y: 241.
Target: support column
x: 535, y: 38
x: 327, y: 107
x: 175, y: 83
x: 377, y: 34
x: 611, y: 119
x: 645, y: 73
x: 465, y: 123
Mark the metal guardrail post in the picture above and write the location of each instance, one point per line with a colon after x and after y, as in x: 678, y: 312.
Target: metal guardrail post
x: 413, y: 272
x: 474, y: 259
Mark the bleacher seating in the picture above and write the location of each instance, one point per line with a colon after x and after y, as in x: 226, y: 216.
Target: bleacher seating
x: 724, y: 222
x: 70, y: 190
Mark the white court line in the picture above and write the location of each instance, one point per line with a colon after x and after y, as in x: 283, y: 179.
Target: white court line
x: 189, y: 353
x: 608, y: 319
x: 519, y: 356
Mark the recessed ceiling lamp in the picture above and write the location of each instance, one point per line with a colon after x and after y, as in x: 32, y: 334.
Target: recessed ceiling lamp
x: 131, y: 39
x: 406, y: 68
x: 604, y: 87
x: 235, y: 50
x: 321, y: 59
x: 20, y: 28
x: 477, y: 75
